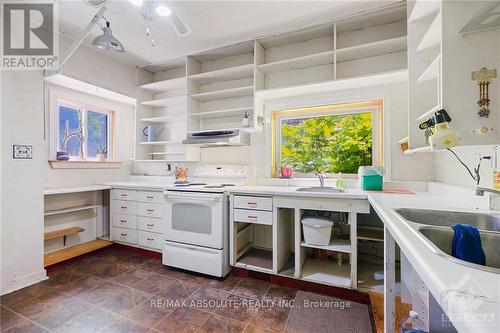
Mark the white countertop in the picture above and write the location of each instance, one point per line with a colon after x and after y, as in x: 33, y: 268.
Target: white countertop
x: 74, y: 189
x: 138, y: 185
x: 292, y: 191
x: 443, y: 277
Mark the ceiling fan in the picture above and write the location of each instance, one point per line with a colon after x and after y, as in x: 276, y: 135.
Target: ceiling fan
x: 149, y: 9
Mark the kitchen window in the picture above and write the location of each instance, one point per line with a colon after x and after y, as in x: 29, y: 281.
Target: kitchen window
x: 327, y: 139
x: 82, y: 130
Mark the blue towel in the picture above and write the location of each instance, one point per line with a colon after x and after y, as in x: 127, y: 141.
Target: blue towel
x: 467, y: 244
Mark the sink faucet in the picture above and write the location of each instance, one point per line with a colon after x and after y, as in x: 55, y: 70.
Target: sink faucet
x: 321, y: 178
x: 480, y: 191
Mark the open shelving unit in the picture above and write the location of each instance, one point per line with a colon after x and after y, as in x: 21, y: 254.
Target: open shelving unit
x: 162, y: 104
x: 221, y: 88
x: 425, y: 72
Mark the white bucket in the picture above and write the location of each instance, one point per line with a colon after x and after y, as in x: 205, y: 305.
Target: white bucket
x: 317, y: 230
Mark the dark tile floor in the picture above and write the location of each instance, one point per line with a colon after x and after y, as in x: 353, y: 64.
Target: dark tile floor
x: 116, y: 291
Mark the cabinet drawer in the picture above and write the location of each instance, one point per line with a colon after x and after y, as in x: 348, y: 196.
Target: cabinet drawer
x: 150, y: 224
x: 125, y: 235
x: 150, y: 239
x: 125, y: 207
x: 150, y: 196
x: 124, y: 221
x: 246, y: 202
x: 150, y: 210
x: 119, y: 194
x: 193, y: 258
x: 253, y: 216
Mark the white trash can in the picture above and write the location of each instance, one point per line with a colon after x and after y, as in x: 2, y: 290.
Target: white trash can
x: 317, y: 230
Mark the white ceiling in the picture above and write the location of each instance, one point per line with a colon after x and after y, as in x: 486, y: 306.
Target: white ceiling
x: 212, y: 23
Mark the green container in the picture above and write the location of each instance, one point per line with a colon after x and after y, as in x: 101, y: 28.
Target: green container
x: 372, y: 183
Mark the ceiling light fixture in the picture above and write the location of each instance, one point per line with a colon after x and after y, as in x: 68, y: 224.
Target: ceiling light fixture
x: 163, y: 10
x: 107, y: 41
x: 137, y: 3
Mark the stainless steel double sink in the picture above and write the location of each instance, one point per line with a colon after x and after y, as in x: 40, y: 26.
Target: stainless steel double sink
x: 435, y: 226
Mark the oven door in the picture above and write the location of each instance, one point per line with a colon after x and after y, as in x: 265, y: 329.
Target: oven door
x: 195, y: 218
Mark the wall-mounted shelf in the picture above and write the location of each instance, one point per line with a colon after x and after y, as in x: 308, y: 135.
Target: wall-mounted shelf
x: 68, y: 210
x: 225, y: 74
x: 316, y: 59
x: 222, y: 113
x: 170, y: 101
x: 431, y: 72
x: 425, y: 149
x: 168, y: 153
x: 427, y: 114
x: 74, y: 251
x: 387, y: 46
x: 159, y: 143
x: 164, y: 85
x: 423, y: 9
x: 164, y: 119
x: 432, y: 37
x: 225, y: 93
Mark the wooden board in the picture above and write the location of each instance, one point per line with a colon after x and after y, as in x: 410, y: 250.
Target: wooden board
x: 62, y: 233
x: 74, y: 251
x: 377, y: 301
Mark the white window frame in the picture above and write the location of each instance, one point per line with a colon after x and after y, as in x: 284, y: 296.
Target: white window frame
x: 374, y: 107
x: 85, y: 104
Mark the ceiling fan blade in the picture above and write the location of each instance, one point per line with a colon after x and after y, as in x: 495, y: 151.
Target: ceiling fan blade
x: 179, y: 26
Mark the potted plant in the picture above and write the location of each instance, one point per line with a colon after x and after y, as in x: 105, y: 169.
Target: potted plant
x: 101, y: 153
x: 286, y: 167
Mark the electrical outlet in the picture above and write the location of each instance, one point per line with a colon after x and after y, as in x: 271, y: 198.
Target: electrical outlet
x: 22, y: 152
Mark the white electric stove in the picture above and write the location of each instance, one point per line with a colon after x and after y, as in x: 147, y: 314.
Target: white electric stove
x: 197, y: 225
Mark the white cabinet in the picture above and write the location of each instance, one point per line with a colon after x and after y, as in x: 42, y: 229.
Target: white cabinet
x: 248, y: 202
x: 138, y: 218
x: 253, y: 216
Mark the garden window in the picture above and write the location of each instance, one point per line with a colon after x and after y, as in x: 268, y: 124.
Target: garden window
x: 82, y: 131
x: 327, y: 139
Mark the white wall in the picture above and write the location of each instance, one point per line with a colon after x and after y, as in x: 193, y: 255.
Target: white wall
x: 22, y: 180
x: 124, y: 132
x: 403, y: 167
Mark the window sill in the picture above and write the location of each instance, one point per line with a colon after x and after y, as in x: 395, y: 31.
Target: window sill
x: 85, y: 164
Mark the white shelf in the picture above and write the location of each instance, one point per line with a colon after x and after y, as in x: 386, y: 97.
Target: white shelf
x: 226, y: 93
x: 432, y: 37
x: 164, y: 119
x: 336, y: 245
x: 168, y: 153
x: 165, y: 85
x: 327, y: 272
x: 316, y: 59
x: 159, y: 143
x: 68, y: 210
x: 427, y: 114
x: 425, y: 149
x: 403, y: 140
x: 222, y: 113
x: 391, y: 45
x: 177, y: 100
x: 423, y: 9
x: 226, y: 74
x: 431, y: 72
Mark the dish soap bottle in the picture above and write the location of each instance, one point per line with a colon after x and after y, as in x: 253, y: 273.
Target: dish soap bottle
x: 246, y: 120
x: 340, y: 181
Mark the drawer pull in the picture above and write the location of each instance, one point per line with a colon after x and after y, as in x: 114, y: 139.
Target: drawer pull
x: 150, y: 239
x: 252, y: 203
x: 123, y: 207
x: 123, y: 194
x: 123, y: 221
x: 150, y: 225
x: 150, y: 210
x: 123, y: 234
x: 252, y: 217
x: 150, y: 197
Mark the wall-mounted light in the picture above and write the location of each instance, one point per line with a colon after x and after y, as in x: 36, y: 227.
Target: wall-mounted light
x: 163, y: 10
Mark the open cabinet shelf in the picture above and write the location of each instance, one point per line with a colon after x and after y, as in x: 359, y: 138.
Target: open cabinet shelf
x: 327, y: 272
x: 336, y: 245
x: 164, y: 119
x: 222, y: 113
x: 164, y: 85
x: 222, y: 94
x: 322, y: 58
x: 225, y: 74
x: 372, y: 49
x: 169, y: 101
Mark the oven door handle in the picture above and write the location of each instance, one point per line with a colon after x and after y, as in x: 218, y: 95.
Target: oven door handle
x: 195, y: 197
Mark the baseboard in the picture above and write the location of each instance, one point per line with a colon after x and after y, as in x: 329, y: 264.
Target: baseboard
x: 23, y: 282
